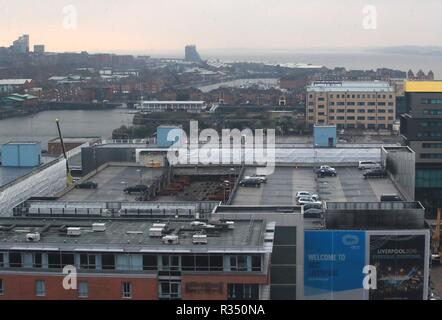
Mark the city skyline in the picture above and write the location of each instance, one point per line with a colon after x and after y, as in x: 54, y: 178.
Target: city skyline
x: 139, y: 27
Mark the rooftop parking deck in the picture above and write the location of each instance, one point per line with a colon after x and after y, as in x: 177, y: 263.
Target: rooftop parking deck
x: 285, y: 182
x: 112, y: 181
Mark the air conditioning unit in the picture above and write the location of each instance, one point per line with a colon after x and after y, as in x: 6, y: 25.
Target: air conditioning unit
x: 156, y: 232
x: 159, y: 225
x: 73, y: 231
x: 98, y: 227
x: 33, y: 237
x: 199, y: 239
x: 171, y: 239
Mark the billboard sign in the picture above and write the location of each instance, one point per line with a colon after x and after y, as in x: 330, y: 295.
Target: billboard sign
x: 401, y: 262
x: 333, y: 264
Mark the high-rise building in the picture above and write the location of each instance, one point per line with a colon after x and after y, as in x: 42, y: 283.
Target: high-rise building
x: 39, y: 48
x: 21, y: 45
x: 192, y: 54
x: 351, y: 104
x: 421, y: 128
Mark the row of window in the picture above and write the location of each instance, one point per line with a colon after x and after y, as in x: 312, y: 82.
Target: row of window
x: 431, y: 145
x: 429, y: 134
x: 358, y: 118
x: 431, y: 101
x: 356, y: 96
x: 433, y: 112
x: 431, y: 124
x: 133, y: 262
x: 431, y: 155
x: 82, y: 289
x: 361, y: 111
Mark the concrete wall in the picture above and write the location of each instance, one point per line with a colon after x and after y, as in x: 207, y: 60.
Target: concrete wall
x: 401, y: 168
x: 92, y: 158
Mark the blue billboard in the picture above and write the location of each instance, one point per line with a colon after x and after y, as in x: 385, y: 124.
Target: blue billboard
x: 333, y: 264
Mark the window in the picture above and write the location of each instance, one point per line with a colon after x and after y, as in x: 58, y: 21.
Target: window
x: 37, y: 263
x: 87, y: 261
x: 67, y: 259
x: 350, y: 118
x: 331, y: 117
x: 15, y: 260
x: 40, y: 290
x: 256, y: 263
x: 54, y: 260
x: 170, y: 290
x: 372, y: 103
x: 361, y: 118
x: 351, y: 103
x: 371, y: 111
x: 371, y: 118
x: 341, y: 110
x: 340, y: 118
x: 243, y: 291
x: 361, y: 103
x: 216, y: 263
x: 171, y: 263
x: 381, y: 118
x: 381, y: 111
x: 108, y: 261
x: 321, y: 106
x: 202, y: 263
x: 238, y: 263
x: 433, y: 112
x: 150, y: 262
x: 350, y: 110
x: 83, y: 290
x: 127, y: 290
x: 2, y: 261
x: 2, y: 288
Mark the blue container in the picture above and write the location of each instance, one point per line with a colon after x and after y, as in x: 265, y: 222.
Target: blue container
x: 324, y: 136
x: 21, y: 154
x: 162, y: 136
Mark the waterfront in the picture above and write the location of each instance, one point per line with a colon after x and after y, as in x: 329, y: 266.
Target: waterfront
x: 74, y: 123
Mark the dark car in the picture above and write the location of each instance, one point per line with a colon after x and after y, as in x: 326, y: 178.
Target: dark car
x: 87, y: 185
x: 327, y: 172
x: 250, y: 183
x: 375, y: 173
x: 390, y: 197
x: 313, y: 213
x: 309, y: 206
x: 138, y: 189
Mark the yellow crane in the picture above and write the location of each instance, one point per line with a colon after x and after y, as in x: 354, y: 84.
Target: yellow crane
x: 69, y: 179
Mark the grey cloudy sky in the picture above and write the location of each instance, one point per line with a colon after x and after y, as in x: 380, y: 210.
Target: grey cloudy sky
x: 152, y: 25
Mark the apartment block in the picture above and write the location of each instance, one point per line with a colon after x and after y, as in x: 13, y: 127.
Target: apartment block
x: 351, y: 104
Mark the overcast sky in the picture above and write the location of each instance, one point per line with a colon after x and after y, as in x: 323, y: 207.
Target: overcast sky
x: 167, y: 25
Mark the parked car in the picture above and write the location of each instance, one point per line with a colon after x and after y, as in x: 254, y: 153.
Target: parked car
x: 250, y: 183
x: 302, y: 194
x: 314, y: 205
x: 87, y: 185
x: 327, y: 171
x: 305, y: 200
x: 390, y: 197
x: 375, y: 173
x: 313, y: 213
x: 262, y: 177
x: 364, y: 165
x: 138, y: 188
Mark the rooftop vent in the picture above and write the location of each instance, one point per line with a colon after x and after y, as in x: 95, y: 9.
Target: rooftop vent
x: 199, y: 239
x: 73, y: 231
x: 156, y: 232
x: 98, y: 227
x: 171, y: 239
x: 33, y: 237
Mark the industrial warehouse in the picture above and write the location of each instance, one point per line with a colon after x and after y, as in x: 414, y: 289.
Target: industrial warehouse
x: 141, y: 229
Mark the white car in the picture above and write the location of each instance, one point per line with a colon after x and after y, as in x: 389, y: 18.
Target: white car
x: 364, y: 165
x: 306, y: 194
x: 304, y: 200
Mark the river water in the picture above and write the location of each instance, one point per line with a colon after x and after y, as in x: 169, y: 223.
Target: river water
x: 74, y: 123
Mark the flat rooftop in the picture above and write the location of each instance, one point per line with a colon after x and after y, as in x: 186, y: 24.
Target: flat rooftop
x: 126, y: 234
x: 111, y: 184
x: 285, y: 182
x: 75, y: 139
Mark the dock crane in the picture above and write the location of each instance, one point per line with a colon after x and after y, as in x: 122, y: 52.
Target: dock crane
x: 69, y: 180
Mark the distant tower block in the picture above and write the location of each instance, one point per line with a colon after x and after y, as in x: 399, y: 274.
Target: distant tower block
x: 192, y: 54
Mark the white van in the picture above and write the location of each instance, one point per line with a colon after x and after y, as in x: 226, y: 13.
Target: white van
x: 364, y: 165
